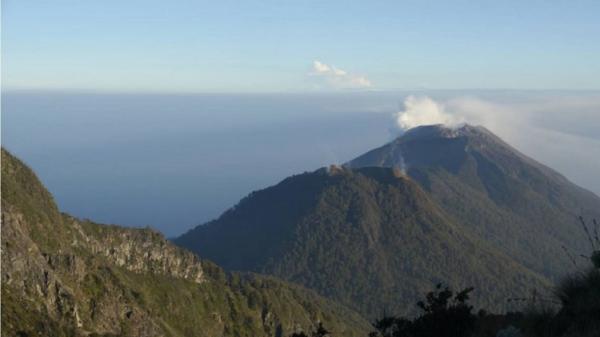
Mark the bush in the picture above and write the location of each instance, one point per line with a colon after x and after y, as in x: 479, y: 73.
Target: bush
x: 445, y: 314
x: 580, y: 298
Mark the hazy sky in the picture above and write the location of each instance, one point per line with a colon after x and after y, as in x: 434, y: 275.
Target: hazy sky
x: 248, y: 46
x: 175, y: 161
x: 166, y: 113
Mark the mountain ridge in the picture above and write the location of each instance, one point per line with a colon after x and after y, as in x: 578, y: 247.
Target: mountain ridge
x: 465, y: 185
x: 345, y: 216
x: 487, y: 175
x: 474, y: 132
x: 62, y: 276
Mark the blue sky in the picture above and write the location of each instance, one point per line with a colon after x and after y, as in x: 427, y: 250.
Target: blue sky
x: 272, y: 46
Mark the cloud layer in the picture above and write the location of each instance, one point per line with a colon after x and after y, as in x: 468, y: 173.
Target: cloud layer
x: 338, y: 78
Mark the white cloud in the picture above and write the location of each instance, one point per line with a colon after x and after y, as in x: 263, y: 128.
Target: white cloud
x: 339, y: 72
x: 338, y: 78
x: 321, y: 68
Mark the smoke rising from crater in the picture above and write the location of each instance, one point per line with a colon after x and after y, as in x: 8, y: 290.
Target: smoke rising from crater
x: 422, y: 110
x: 558, y: 129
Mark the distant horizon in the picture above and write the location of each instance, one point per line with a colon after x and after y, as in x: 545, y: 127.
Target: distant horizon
x: 417, y: 91
x: 173, y: 161
x: 167, y: 113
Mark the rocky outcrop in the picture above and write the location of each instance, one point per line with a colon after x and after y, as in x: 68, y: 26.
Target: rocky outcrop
x: 138, y: 250
x: 65, y: 277
x: 52, y: 282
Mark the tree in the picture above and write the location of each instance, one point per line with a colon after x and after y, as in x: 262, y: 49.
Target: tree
x: 445, y: 314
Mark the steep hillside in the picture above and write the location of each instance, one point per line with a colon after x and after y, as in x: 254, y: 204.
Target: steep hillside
x: 66, y: 277
x: 520, y: 206
x: 370, y: 238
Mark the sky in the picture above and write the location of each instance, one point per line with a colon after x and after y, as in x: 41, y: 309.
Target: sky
x: 301, y: 46
x: 173, y: 161
x: 166, y: 113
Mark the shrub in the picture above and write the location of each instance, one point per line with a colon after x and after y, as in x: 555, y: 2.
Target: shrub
x: 445, y: 314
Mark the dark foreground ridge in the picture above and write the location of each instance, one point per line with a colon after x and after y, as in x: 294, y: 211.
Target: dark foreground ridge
x: 65, y: 277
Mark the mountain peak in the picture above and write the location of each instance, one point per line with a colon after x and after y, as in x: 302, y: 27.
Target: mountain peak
x: 435, y: 145
x: 443, y: 131
x: 436, y: 203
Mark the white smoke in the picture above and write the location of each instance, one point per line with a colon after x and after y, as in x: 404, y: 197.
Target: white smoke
x: 558, y: 130
x: 422, y: 110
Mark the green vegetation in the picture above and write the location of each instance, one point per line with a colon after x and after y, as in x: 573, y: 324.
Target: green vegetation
x: 66, y: 277
x: 369, y: 238
x: 22, y: 190
x: 23, y: 318
x: 469, y: 211
x: 521, y: 207
x: 319, y: 332
x: 579, y: 297
x: 577, y: 315
x: 444, y: 314
x: 448, y: 314
x: 472, y: 212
